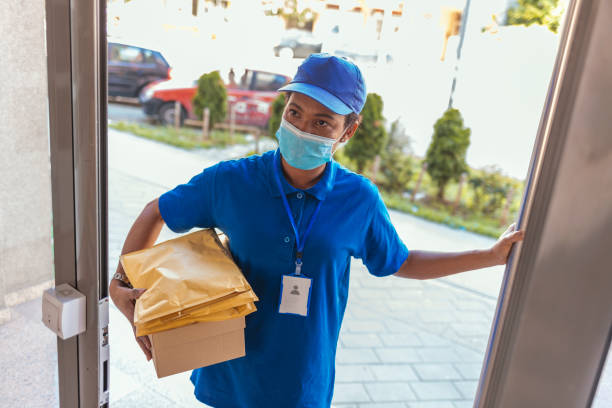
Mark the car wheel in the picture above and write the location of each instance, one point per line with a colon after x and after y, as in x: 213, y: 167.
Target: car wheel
x: 285, y: 52
x: 166, y: 114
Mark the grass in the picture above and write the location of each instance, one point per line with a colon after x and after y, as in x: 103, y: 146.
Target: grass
x: 186, y: 138
x: 473, y: 222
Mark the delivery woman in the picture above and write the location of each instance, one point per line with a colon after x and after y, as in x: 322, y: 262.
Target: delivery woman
x: 294, y: 218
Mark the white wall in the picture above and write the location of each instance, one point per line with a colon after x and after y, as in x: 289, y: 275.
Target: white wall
x: 25, y: 181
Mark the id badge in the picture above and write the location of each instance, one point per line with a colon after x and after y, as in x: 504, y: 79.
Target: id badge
x: 295, y: 294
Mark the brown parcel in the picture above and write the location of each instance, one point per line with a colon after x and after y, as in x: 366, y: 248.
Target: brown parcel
x: 186, y: 274
x: 197, y: 345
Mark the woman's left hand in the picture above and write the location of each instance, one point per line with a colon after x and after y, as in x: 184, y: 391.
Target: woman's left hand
x: 501, y: 248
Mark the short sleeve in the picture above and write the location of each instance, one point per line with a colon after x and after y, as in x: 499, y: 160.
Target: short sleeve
x: 383, y: 251
x: 190, y: 205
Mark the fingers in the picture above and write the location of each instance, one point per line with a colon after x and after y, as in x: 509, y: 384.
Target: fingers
x: 514, y: 236
x: 135, y: 293
x: 146, y: 341
x: 146, y: 350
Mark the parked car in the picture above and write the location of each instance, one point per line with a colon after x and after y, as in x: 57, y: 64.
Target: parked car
x: 132, y: 68
x: 249, y: 92
x: 297, y: 44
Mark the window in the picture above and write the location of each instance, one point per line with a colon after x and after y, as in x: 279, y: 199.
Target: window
x: 265, y: 81
x: 125, y: 53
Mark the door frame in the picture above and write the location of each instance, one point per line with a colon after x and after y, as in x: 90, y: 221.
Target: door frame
x: 76, y: 65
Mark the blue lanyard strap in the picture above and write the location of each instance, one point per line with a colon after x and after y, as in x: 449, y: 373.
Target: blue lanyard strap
x: 299, y: 242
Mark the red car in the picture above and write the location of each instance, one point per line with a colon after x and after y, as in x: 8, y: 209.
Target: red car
x: 250, y: 93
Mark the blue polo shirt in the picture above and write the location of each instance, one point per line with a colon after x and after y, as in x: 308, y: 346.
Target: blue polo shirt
x: 290, y: 359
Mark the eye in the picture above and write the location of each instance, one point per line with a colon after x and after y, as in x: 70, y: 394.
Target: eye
x: 321, y: 123
x: 292, y: 112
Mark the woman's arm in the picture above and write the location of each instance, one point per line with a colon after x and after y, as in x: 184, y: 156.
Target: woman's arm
x: 431, y: 265
x: 143, y: 234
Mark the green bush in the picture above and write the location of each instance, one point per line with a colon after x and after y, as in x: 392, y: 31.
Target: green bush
x: 490, y: 190
x: 395, y: 166
x: 371, y: 136
x: 211, y: 94
x: 278, y: 106
x: 446, y: 153
x: 542, y: 12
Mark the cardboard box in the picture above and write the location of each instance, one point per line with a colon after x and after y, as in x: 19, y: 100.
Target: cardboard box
x: 197, y: 345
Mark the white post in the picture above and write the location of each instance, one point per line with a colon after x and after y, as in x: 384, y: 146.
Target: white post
x: 177, y: 114
x: 205, y: 122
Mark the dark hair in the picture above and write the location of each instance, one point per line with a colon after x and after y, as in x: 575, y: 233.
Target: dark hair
x: 348, y: 119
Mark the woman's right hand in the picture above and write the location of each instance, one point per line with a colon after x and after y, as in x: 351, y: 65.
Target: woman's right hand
x: 125, y: 300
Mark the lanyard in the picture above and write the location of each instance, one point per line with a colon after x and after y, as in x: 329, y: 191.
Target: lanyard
x: 299, y: 242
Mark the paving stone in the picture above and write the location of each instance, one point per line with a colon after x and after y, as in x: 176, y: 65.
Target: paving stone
x: 473, y: 317
x: 390, y: 391
x: 394, y: 326
x: 436, y: 372
x: 464, y: 404
x: 470, y: 329
x: 383, y: 405
x: 471, y: 303
x: 356, y: 356
x: 433, y: 340
x: 371, y: 293
x: 438, y: 390
x: 360, y: 340
x: 398, y: 355
x: 357, y: 326
x: 400, y: 339
x: 439, y: 355
x: 431, y: 404
x: 469, y: 356
x: 353, y: 373
x: 469, y: 371
x: 433, y: 316
x: 467, y: 388
x: 350, y: 392
x: 393, y: 372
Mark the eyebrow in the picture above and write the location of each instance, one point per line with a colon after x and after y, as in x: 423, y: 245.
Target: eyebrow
x: 324, y: 115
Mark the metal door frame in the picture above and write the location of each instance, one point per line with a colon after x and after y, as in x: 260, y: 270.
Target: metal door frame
x: 76, y: 58
x: 552, y: 326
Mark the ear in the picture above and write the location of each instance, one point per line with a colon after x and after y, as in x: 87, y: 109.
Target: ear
x: 350, y: 131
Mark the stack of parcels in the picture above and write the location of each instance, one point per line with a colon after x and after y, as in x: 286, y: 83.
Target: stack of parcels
x: 194, y: 306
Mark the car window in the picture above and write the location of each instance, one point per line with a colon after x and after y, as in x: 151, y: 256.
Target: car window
x: 148, y: 56
x: 125, y: 53
x: 265, y: 81
x: 159, y: 59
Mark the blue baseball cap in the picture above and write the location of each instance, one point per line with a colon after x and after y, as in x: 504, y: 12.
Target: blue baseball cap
x: 335, y: 82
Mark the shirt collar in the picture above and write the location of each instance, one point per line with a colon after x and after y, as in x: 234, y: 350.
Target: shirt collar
x: 319, y: 190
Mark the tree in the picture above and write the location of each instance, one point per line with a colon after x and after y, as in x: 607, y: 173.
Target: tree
x: 446, y: 153
x: 395, y: 165
x: 294, y: 16
x: 278, y: 106
x: 371, y: 136
x: 211, y: 94
x: 542, y: 12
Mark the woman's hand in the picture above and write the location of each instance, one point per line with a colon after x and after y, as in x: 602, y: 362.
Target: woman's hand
x: 125, y: 300
x: 501, y: 249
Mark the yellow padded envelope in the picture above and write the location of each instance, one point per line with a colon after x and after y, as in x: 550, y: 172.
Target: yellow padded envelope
x: 193, y: 273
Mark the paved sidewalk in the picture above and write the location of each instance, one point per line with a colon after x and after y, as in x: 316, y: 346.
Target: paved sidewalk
x: 404, y: 343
